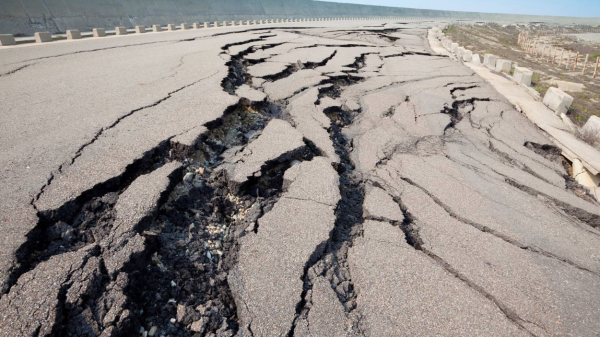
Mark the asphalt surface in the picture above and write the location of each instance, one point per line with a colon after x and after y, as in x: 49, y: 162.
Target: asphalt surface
x: 306, y: 179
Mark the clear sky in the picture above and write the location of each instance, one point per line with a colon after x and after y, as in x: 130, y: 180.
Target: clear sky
x: 585, y: 8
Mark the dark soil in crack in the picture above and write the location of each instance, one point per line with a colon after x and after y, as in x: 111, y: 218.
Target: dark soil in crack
x: 85, y: 220
x: 330, y: 261
x: 182, y: 289
x: 238, y: 75
x: 336, y: 83
x: 459, y: 109
x: 290, y: 69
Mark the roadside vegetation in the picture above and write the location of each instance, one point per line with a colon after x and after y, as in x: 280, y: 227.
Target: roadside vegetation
x: 503, y: 42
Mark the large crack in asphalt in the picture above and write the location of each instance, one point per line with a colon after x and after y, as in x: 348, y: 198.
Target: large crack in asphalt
x: 100, y: 132
x: 486, y: 229
x: 292, y: 68
x: 411, y: 232
x: 183, y: 288
x: 162, y: 288
x: 329, y: 259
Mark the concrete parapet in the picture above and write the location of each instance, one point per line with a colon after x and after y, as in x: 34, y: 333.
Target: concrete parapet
x: 557, y: 100
x: 121, y: 30
x: 41, y: 37
x: 476, y: 59
x: 156, y: 28
x: 140, y: 29
x: 454, y: 48
x: 7, y: 40
x: 73, y: 34
x: 592, y: 126
x: 184, y: 26
x: 503, y: 65
x: 523, y: 76
x: 467, y: 56
x: 98, y: 32
x: 171, y: 27
x: 489, y: 60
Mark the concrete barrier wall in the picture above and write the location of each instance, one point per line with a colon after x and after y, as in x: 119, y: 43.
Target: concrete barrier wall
x: 24, y: 17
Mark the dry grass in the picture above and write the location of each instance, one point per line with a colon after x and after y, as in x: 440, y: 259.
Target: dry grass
x: 502, y: 41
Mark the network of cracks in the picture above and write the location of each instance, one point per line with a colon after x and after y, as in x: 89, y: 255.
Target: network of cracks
x: 176, y: 282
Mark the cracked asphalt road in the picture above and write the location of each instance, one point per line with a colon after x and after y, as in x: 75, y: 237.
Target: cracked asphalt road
x: 307, y: 179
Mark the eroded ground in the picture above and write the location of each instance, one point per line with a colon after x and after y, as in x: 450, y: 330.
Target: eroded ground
x: 283, y: 181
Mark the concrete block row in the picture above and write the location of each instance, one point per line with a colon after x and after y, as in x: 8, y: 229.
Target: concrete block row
x: 74, y: 34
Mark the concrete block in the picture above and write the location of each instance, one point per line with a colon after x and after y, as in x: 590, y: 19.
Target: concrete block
x: 233, y: 23
x: 557, y: 100
x: 185, y: 26
x: 196, y: 25
x: 206, y: 24
x: 260, y: 22
x: 171, y: 27
x: 73, y: 34
x: 140, y: 29
x: 489, y: 61
x: 248, y: 23
x: 592, y: 125
x: 7, y: 40
x: 216, y: 24
x: 523, y: 76
x: 41, y: 37
x: 503, y: 65
x: 120, y: 30
x: 98, y: 32
x: 476, y: 59
x: 254, y: 22
x: 460, y: 52
x: 156, y: 28
x: 467, y: 56
x: 224, y: 24
x: 454, y: 48
x: 241, y: 23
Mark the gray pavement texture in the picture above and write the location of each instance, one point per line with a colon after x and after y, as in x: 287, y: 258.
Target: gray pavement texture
x: 305, y: 179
